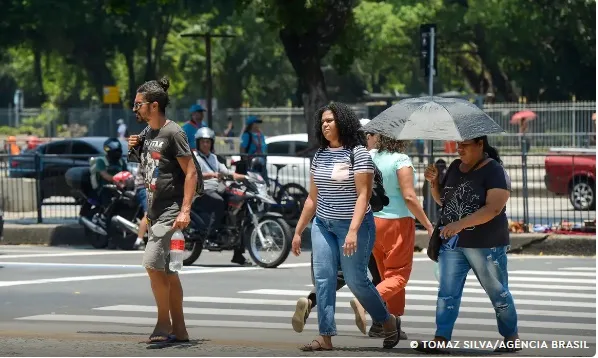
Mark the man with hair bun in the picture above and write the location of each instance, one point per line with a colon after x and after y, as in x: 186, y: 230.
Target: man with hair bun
x: 170, y: 177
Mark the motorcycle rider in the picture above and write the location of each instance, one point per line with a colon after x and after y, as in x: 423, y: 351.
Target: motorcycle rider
x: 214, y: 190
x: 104, y: 168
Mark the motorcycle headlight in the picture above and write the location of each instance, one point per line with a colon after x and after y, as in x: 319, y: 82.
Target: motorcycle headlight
x: 262, y: 189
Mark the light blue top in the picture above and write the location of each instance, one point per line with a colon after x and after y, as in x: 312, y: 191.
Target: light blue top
x: 388, y: 164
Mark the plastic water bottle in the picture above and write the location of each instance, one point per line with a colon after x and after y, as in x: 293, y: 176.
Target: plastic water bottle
x: 177, y: 247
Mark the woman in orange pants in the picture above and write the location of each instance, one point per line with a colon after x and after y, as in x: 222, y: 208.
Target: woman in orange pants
x: 395, y: 227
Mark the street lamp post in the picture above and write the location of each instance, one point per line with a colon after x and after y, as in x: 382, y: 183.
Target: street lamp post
x: 207, y: 36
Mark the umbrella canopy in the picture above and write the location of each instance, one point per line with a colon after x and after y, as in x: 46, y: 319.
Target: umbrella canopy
x: 433, y: 118
x: 519, y: 116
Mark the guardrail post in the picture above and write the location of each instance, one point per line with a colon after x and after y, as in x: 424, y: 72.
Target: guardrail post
x: 38, y: 184
x: 524, y: 177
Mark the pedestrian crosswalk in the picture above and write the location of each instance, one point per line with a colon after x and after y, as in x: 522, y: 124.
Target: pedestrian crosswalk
x: 552, y: 305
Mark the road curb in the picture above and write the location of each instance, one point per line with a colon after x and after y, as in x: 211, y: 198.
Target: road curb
x: 533, y: 244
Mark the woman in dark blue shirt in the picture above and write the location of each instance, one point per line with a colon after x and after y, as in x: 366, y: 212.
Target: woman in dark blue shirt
x: 475, y: 235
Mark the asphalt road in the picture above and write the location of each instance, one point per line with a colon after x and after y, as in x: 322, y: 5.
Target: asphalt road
x: 73, y: 302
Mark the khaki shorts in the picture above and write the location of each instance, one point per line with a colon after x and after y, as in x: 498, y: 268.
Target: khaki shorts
x: 157, y: 251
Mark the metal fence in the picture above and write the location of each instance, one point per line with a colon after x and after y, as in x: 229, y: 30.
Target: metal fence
x: 542, y: 198
x: 557, y: 124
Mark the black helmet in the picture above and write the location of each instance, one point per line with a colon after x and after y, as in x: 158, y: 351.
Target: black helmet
x: 256, y: 165
x: 113, y: 148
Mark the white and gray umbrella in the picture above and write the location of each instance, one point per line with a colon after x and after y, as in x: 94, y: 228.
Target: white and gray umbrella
x: 433, y: 118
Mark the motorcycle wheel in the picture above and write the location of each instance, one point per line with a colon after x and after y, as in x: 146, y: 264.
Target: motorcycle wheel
x: 278, y: 237
x: 292, y: 198
x: 96, y: 240
x: 194, y: 249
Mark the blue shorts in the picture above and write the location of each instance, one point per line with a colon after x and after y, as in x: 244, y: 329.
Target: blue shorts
x: 141, y: 195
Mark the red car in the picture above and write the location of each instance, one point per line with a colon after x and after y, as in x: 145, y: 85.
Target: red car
x: 572, y: 172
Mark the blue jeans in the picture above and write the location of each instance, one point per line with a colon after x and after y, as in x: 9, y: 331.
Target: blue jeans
x: 141, y: 195
x: 328, y: 238
x: 490, y: 267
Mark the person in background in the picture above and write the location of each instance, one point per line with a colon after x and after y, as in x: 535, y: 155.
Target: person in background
x: 104, y: 168
x: 122, y: 131
x: 343, y: 230
x: 395, y: 227
x: 212, y: 201
x: 420, y: 147
x: 475, y: 235
x: 194, y: 123
x: 253, y: 144
x: 32, y: 141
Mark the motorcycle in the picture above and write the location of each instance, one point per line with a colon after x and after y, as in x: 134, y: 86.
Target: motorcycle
x: 246, y: 221
x: 115, y: 224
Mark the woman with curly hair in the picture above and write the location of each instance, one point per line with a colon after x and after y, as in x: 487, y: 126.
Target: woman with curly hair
x: 395, y: 227
x: 343, y: 231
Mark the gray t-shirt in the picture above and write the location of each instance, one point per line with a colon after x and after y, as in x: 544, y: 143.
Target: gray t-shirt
x: 210, y: 164
x: 164, y: 178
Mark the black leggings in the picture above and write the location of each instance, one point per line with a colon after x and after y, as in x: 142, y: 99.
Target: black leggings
x: 340, y: 279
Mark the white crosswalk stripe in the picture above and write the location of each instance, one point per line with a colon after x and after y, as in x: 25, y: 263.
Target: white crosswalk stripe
x: 548, y: 309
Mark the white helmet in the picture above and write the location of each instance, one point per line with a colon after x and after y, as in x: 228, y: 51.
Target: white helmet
x: 364, y: 121
x: 205, y: 133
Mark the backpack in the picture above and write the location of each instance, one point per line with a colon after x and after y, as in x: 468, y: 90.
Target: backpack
x: 379, y: 199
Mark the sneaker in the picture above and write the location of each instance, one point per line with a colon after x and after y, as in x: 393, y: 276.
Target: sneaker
x: 376, y: 331
x: 302, y: 311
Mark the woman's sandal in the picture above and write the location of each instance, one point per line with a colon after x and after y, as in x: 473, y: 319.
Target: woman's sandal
x: 312, y: 348
x: 393, y: 337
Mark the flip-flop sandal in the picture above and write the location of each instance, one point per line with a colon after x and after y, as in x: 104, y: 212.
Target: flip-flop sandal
x: 311, y: 348
x: 172, y: 340
x: 393, y: 337
x: 160, y: 338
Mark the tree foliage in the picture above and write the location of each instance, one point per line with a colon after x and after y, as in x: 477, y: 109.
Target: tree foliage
x: 307, y: 52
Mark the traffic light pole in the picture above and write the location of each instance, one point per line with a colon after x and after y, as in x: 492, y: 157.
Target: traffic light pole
x: 431, y: 204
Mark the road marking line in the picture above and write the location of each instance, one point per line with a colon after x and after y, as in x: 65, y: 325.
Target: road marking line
x: 151, y: 321
x: 144, y: 274
x: 552, y: 273
x: 260, y: 301
x: 68, y: 254
x: 249, y: 301
x: 518, y: 302
x: 593, y: 269
x: 511, y: 285
x: 513, y: 292
x: 56, y: 264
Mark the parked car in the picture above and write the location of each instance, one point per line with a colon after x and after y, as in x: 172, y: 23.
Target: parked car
x: 56, y: 158
x: 572, y: 172
x: 291, y: 153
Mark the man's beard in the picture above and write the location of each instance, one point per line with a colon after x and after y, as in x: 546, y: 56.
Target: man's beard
x: 141, y: 119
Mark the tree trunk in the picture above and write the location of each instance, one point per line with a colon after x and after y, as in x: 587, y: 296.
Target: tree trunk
x: 499, y: 78
x: 306, y: 63
x: 314, y: 98
x: 37, y: 69
x: 479, y: 84
x: 149, y: 53
x: 130, y: 61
